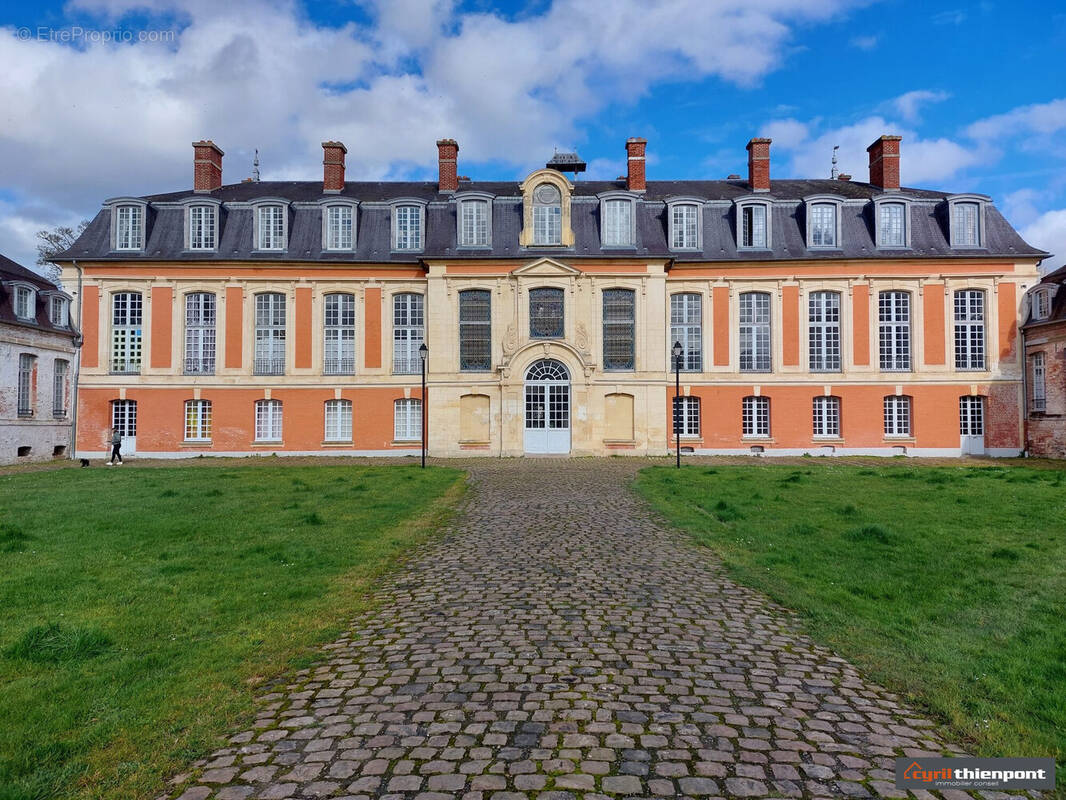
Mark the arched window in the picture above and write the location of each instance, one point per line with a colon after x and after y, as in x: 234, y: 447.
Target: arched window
x: 475, y: 330
x: 25, y: 302
x: 474, y: 223
x: 822, y: 225
x: 619, y: 329
x: 270, y: 334
x: 823, y: 327
x: 338, y: 354
x: 338, y: 420
x: 408, y: 329
x: 684, y: 226
x: 202, y: 227
x: 200, y: 333
x: 268, y: 420
x: 407, y: 227
x: 826, y: 417
x: 129, y: 227
x: 340, y: 226
x: 547, y: 215
x: 755, y: 332
x: 686, y: 326
x: 891, y: 224
x: 271, y: 224
x: 617, y: 222
x: 197, y: 420
x: 126, y: 332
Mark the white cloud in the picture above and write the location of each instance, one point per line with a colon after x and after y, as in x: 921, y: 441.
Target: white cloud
x: 1020, y: 207
x: 1043, y: 119
x: 908, y: 105
x: 1048, y: 232
x: 864, y: 42
x: 955, y: 16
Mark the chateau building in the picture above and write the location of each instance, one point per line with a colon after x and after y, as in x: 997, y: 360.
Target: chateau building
x: 814, y: 316
x: 1044, y: 335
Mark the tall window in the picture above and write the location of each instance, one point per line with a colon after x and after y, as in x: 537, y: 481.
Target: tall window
x: 408, y: 228
x: 1042, y: 309
x: 897, y: 415
x: 823, y: 225
x: 686, y: 326
x: 59, y: 388
x: 338, y: 420
x: 201, y: 227
x: 617, y: 223
x: 126, y: 332
x: 892, y: 224
x: 339, y: 227
x: 755, y: 332
x: 59, y: 312
x: 271, y: 227
x: 619, y: 329
x: 753, y: 225
x: 198, y: 420
x: 268, y: 420
x: 475, y: 330
x: 270, y: 334
x: 1039, y: 384
x: 200, y: 333
x: 965, y: 225
x: 338, y: 354
x: 25, y: 384
x: 687, y: 416
x: 408, y: 326
x: 970, y: 329
x: 124, y: 417
x: 823, y: 331
x: 545, y: 313
x: 407, y: 420
x: 129, y: 221
x: 971, y: 415
x: 474, y: 223
x: 827, y: 417
x: 755, y: 416
x: 894, y: 330
x: 547, y: 215
x: 24, y: 305
x: 684, y: 226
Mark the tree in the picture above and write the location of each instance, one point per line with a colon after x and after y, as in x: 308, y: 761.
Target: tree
x: 52, y: 242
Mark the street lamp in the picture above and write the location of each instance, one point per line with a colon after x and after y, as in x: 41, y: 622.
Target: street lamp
x: 423, y: 351
x: 677, y: 351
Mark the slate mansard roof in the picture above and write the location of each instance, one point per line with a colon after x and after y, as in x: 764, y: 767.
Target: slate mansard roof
x: 165, y: 220
x: 12, y: 273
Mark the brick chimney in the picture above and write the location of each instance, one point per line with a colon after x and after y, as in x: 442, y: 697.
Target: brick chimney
x: 635, y: 175
x: 206, y: 166
x: 884, y: 162
x: 759, y: 165
x: 333, y: 166
x: 447, y: 158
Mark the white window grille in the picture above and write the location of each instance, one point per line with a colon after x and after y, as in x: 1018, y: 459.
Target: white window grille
x: 970, y: 329
x: 27, y: 362
x: 546, y: 313
x: 619, y: 329
x: 126, y: 332
x: 823, y: 331
x: 338, y: 420
x: 202, y: 227
x: 826, y: 411
x: 753, y: 225
x: 59, y: 312
x: 475, y: 330
x: 1039, y: 383
x: 270, y: 334
x: 338, y: 354
x: 894, y: 330
x: 268, y: 420
x: 617, y: 223
x: 687, y: 416
x: 966, y: 225
x: 547, y: 215
x: 823, y: 225
x: 197, y: 420
x: 272, y: 227
x: 407, y: 420
x: 893, y: 224
x: 755, y: 332
x: 897, y: 415
x: 200, y: 318
x: 971, y: 415
x: 684, y: 226
x: 59, y: 388
x: 1043, y: 304
x: 755, y: 416
x: 129, y: 222
x: 686, y: 326
x: 124, y: 417
x: 24, y: 305
x: 474, y: 227
x: 407, y: 222
x: 408, y: 330
x: 339, y: 227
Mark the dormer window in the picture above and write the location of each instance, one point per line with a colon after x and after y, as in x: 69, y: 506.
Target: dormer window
x: 475, y: 222
x: 822, y: 228
x: 407, y: 227
x: 129, y: 227
x: 1042, y: 304
x: 202, y: 227
x: 684, y: 226
x: 753, y: 223
x: 271, y: 225
x: 965, y: 224
x: 340, y: 227
x: 25, y: 303
x: 891, y: 224
x: 617, y: 221
x: 547, y: 215
x: 59, y: 311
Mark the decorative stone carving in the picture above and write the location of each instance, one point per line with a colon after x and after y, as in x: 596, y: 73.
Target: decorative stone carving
x: 582, y: 338
x: 510, y: 340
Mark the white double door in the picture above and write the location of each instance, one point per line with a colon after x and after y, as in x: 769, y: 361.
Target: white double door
x: 547, y: 417
x: 972, y: 425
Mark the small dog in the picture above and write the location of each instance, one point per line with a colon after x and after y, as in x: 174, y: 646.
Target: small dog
x: 85, y: 462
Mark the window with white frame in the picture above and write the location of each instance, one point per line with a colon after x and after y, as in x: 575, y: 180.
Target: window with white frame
x: 755, y: 332
x: 407, y: 227
x: 971, y: 415
x: 339, y: 227
x: 546, y: 313
x: 124, y: 417
x: 475, y: 330
x: 897, y: 415
x: 271, y: 227
x: 59, y: 311
x: 965, y: 224
x: 408, y: 330
x: 474, y: 223
x: 1042, y: 305
x: 687, y: 416
x: 753, y: 226
x: 202, y: 227
x: 892, y: 224
x: 547, y: 215
x: 684, y: 226
x: 269, y: 334
x: 823, y: 225
x: 268, y: 420
x: 129, y: 224
x: 25, y: 305
x: 61, y: 370
x: 1039, y: 384
x: 619, y: 329
x: 970, y: 329
x: 755, y: 416
x: 198, y: 420
x: 826, y: 411
x: 686, y: 326
x: 823, y: 331
x: 126, y: 332
x: 338, y: 351
x: 894, y: 330
x: 407, y: 420
x: 27, y: 366
x: 338, y: 420
x: 617, y: 223
x: 200, y: 318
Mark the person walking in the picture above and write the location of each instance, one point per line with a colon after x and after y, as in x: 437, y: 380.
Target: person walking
x: 116, y: 447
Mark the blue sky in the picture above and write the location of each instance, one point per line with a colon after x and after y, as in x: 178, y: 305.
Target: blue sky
x: 976, y: 89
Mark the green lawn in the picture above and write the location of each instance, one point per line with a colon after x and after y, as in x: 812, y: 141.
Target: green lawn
x: 945, y: 584
x: 140, y: 608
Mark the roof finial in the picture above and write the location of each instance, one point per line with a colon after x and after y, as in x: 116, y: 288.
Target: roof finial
x: 834, y: 171
x: 255, y: 166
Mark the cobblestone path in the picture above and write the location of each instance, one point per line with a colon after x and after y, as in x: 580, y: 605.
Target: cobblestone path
x: 558, y: 642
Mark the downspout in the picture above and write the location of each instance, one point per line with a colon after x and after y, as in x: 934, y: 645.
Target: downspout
x: 78, y: 341
x: 1025, y: 396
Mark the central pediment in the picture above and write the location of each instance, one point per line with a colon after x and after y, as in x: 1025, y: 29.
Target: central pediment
x: 546, y: 267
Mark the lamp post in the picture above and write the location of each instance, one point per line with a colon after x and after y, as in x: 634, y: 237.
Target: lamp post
x: 423, y: 351
x: 677, y: 351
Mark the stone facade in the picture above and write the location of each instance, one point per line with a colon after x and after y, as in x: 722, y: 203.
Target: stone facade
x: 1045, y: 352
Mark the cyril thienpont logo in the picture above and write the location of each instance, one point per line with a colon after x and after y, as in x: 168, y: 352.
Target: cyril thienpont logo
x: 975, y: 773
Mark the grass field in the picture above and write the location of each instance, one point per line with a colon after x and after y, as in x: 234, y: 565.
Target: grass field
x: 140, y: 608
x: 946, y: 584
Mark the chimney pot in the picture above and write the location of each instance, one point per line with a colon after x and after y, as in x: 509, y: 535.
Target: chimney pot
x: 843, y: 177
x: 884, y: 162
x: 206, y: 166
x: 447, y: 164
x: 636, y: 180
x: 759, y: 164
x: 333, y: 166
